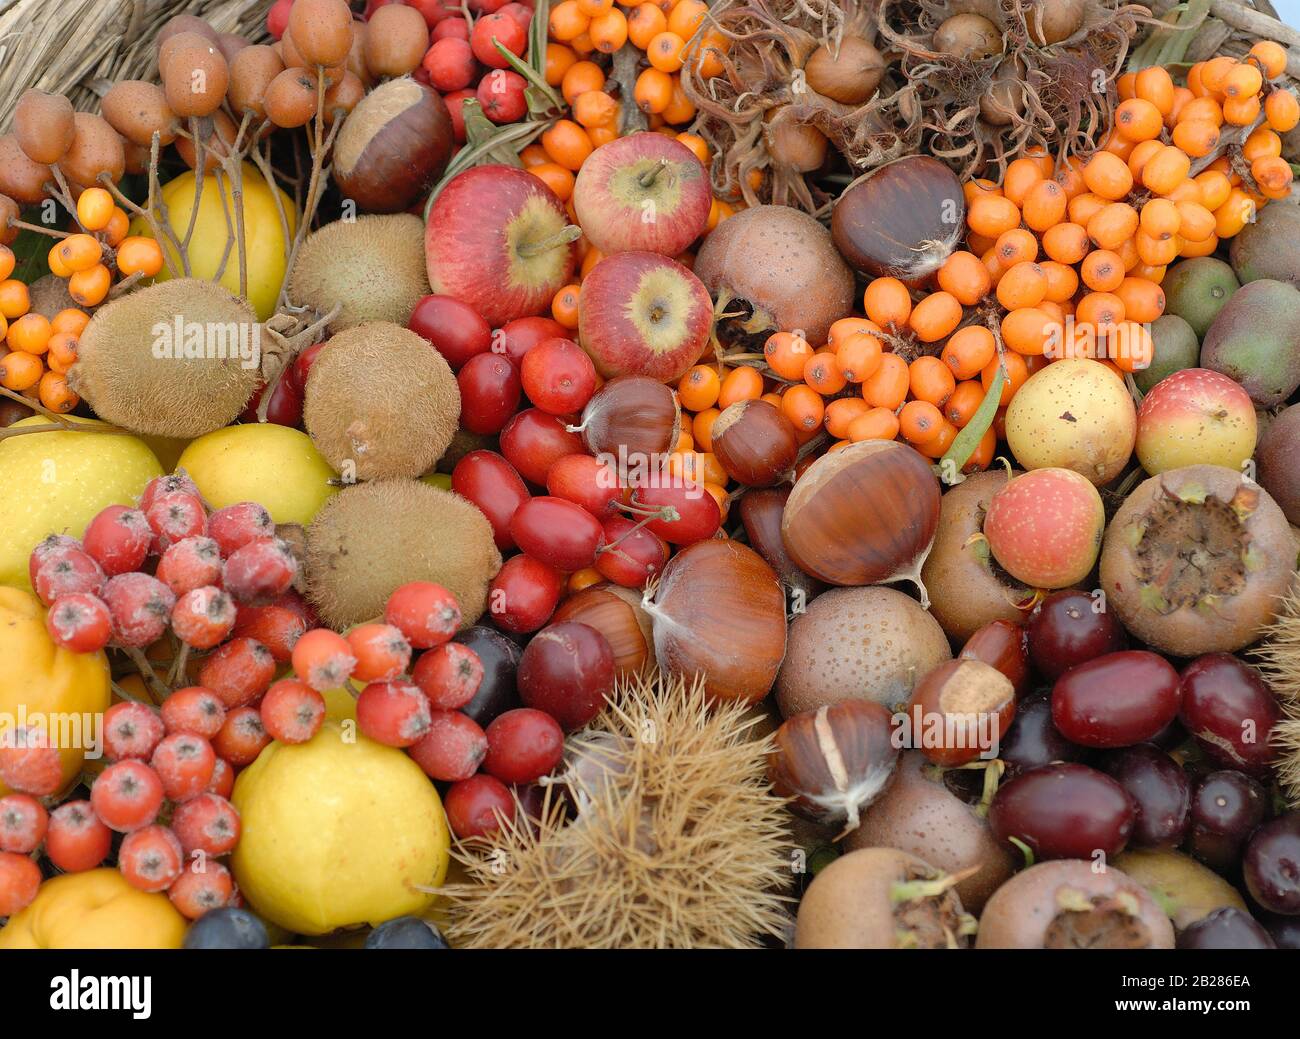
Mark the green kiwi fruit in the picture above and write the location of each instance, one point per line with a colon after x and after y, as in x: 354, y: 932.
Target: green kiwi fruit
x: 177, y: 359
x: 371, y: 538
x: 380, y: 402
x: 374, y: 266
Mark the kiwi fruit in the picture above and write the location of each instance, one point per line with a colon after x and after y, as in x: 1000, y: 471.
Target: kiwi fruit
x: 130, y: 369
x: 371, y: 538
x: 373, y: 265
x: 381, y: 401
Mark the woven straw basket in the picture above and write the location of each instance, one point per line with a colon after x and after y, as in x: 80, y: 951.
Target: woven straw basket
x: 80, y: 47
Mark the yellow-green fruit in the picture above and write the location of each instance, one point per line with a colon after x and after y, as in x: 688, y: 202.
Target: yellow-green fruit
x: 97, y: 909
x: 1073, y: 414
x: 57, y: 482
x: 263, y: 462
x: 47, y: 687
x: 264, y: 237
x: 337, y: 832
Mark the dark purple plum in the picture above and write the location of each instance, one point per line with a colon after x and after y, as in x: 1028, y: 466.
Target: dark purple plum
x: 1033, y: 738
x: 497, y: 693
x: 1226, y: 807
x: 1271, y: 865
x: 1160, y: 789
x: 1230, y: 711
x: 1226, y: 928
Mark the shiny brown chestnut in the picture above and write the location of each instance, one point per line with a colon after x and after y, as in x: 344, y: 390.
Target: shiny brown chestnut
x: 834, y: 761
x: 633, y: 419
x: 755, y: 443
x: 760, y: 511
x: 616, y: 613
x: 1005, y: 646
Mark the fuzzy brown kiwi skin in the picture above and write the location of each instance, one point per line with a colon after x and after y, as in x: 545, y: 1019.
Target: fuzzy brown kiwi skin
x: 850, y: 905
x: 1030, y: 911
x: 918, y: 814
x: 858, y: 643
x: 966, y: 590
x: 1235, y: 619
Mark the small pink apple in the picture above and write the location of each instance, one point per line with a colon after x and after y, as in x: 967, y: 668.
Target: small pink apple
x: 1044, y: 527
x: 499, y: 240
x: 642, y: 192
x: 1195, y: 417
x: 643, y: 314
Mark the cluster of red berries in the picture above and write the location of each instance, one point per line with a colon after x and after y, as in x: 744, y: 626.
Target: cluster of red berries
x: 162, y: 765
x: 416, y: 702
x: 99, y: 591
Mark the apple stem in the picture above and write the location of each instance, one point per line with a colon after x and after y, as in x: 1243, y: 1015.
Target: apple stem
x: 568, y: 233
x: 652, y: 174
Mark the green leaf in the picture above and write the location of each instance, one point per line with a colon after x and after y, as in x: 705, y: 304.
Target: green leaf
x: 973, y: 432
x: 510, y: 137
x: 543, y: 102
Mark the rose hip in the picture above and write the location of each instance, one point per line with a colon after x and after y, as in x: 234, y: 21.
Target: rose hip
x: 77, y: 838
x: 450, y: 65
x: 80, y: 622
x: 20, y: 879
x: 190, y: 563
x: 68, y: 571
x: 682, y: 511
x: 28, y: 763
x: 141, y: 607
x: 242, y: 737
x: 150, y: 858
x: 1116, y: 700
x: 195, y: 709
x: 127, y: 795
x: 475, y: 805
x: 587, y: 482
x: 449, y: 675
x: 207, y: 823
x: 278, y: 628
x: 203, y: 617
x: 558, y: 376
x: 425, y: 613
x: 393, y: 713
x: 202, y: 886
x: 451, y: 749
x: 260, y: 570
x: 381, y: 650
x: 533, y: 440
x: 523, y: 745
x: 557, y: 532
x: 185, y: 763
x: 323, y: 659
x: 118, y: 539
x: 174, y: 516
x: 131, y: 731
x: 174, y: 483
x: 501, y: 94
x: 23, y: 822
x: 524, y: 594
x: 292, y: 711
x: 238, y: 671
x: 490, y: 482
x: 236, y: 525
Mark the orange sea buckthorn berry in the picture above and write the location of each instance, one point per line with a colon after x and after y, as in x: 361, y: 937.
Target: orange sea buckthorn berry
x: 1083, y: 208
x: 1215, y: 71
x: 665, y: 51
x: 704, y: 53
x: 20, y: 370
x: 564, y: 306
x: 1201, y: 110
x: 1166, y: 169
x: 930, y: 379
x: 580, y: 77
x: 141, y: 255
x: 1015, y: 371
x: 787, y: 354
x: 14, y: 299
x: 841, y: 412
x: 702, y: 424
x: 559, y: 59
x: 533, y: 155
x: 653, y: 91
x: 1159, y: 218
x: 1205, y: 248
x: 694, y: 143
x: 920, y: 421
x: 80, y: 252
x: 1271, y: 58
x: 990, y: 215
x: 1062, y: 281
x: 1029, y: 330
x: 1195, y: 222
x: 1241, y: 111
x: 30, y: 334
x: 1044, y: 205
x: 567, y: 143
x: 118, y: 226
x: 964, y: 277
x: 1181, y: 97
x: 1066, y: 243
x: 62, y: 353
x: 89, y: 288
x: 644, y: 23
x: 979, y: 186
x: 742, y: 383
x: 1138, y: 120
x: 55, y: 394
x: 95, y: 209
x: 567, y: 22
x: 1215, y: 187
x: 859, y: 356
x: 964, y: 401
x: 1262, y: 142
x: 935, y: 316
x: 681, y: 110
x: 887, y: 302
x: 70, y: 320
x: 591, y: 8
x: 804, y: 407
x: 699, y: 387
x: 968, y: 350
x: 608, y: 31
x: 1126, y: 86
x: 1154, y: 84
x: 1113, y: 225
x: 718, y: 212
x: 822, y: 372
x: 1108, y: 176
x: 887, y: 387
x: 1023, y: 285
x: 595, y: 108
x: 1282, y: 110
x: 1243, y: 81
x: 1119, y: 145
x: 1272, y: 173
x: 1016, y: 246
x: 1196, y: 137
x: 1102, y: 270
x: 880, y: 423
x: 1022, y: 174
x: 1235, y: 213
x: 1143, y: 300
x: 1100, y: 309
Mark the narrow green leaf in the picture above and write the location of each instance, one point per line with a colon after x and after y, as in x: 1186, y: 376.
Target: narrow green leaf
x: 537, y: 80
x: 512, y: 135
x: 973, y: 432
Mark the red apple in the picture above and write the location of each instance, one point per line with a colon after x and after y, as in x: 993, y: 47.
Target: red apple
x: 499, y: 240
x: 645, y: 191
x: 1045, y: 527
x: 1195, y: 416
x: 643, y: 314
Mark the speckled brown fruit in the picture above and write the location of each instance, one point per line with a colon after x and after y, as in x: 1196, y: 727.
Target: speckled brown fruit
x: 858, y: 643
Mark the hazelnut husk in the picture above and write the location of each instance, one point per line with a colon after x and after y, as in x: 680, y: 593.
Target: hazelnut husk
x: 834, y: 761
